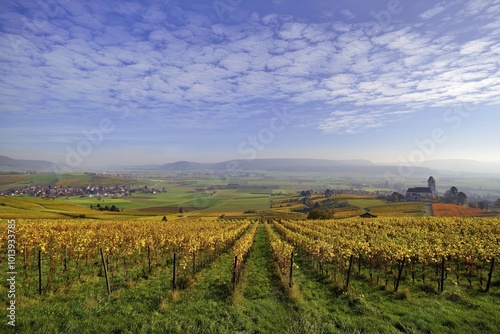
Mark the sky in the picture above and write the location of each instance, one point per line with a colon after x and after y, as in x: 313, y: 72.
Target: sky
x: 96, y: 83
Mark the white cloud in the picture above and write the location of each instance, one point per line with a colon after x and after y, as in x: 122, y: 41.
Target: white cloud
x: 347, y: 13
x: 345, y: 122
x: 356, y: 121
x: 475, y: 47
x: 237, y: 62
x: 292, y: 30
x: 432, y: 12
x: 221, y: 72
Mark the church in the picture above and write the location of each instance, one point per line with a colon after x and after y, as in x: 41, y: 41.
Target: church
x: 423, y: 192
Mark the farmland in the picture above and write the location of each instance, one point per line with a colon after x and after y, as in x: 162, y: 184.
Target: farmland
x: 200, y: 195
x: 452, y: 210
x: 204, y: 254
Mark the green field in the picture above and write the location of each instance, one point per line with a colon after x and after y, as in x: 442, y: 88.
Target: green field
x: 272, y: 194
x: 366, y: 203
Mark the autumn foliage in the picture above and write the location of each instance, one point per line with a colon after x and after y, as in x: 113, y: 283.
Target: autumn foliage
x: 453, y: 210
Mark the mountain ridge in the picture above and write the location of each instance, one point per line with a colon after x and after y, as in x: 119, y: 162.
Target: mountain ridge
x: 6, y: 162
x: 291, y: 165
x: 276, y: 164
x: 464, y: 165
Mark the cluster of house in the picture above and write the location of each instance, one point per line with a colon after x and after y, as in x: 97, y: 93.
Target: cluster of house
x: 84, y: 191
x: 423, y: 192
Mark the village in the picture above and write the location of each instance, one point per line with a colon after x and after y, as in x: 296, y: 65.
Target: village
x: 50, y: 191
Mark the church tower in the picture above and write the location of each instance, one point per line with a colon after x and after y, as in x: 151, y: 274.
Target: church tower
x: 432, y: 185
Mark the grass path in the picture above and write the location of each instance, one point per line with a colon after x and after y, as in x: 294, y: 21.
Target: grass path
x: 204, y: 307
x: 260, y: 298
x: 259, y: 304
x: 428, y: 209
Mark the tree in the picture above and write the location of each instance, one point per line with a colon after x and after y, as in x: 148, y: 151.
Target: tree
x: 319, y: 214
x: 164, y: 219
x: 484, y: 204
x: 396, y: 197
x: 451, y: 196
x: 181, y: 210
x: 497, y: 203
x: 305, y: 193
x: 461, y: 198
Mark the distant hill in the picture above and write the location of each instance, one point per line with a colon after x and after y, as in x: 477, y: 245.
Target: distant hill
x: 359, y: 166
x: 185, y: 165
x: 290, y: 165
x: 464, y: 166
x: 265, y: 164
x: 9, y: 164
x: 364, y: 167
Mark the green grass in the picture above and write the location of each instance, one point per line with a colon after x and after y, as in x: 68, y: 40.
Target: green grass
x: 8, y: 180
x: 366, y: 202
x: 235, y: 201
x: 208, y: 201
x: 260, y: 298
x: 405, y: 209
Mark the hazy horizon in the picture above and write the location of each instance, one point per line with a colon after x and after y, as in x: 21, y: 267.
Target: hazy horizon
x: 153, y: 82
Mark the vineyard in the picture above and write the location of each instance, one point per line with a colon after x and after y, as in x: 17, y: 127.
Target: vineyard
x: 387, y: 250
x: 351, y: 256
x: 453, y: 210
x: 392, y: 250
x: 55, y: 254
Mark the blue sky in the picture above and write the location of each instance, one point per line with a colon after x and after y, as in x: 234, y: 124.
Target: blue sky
x: 137, y: 82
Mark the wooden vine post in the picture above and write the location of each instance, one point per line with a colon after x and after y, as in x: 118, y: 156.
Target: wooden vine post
x: 174, y: 283
x: 351, y: 259
x: 400, y: 272
x: 40, y: 272
x: 443, y: 269
x: 105, y: 266
x: 235, y: 272
x: 149, y: 259
x: 490, y: 273
x: 194, y: 263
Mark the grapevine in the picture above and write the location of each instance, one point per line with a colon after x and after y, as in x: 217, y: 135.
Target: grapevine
x: 70, y: 249
x: 395, y: 249
x: 281, y: 250
x: 240, y: 250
